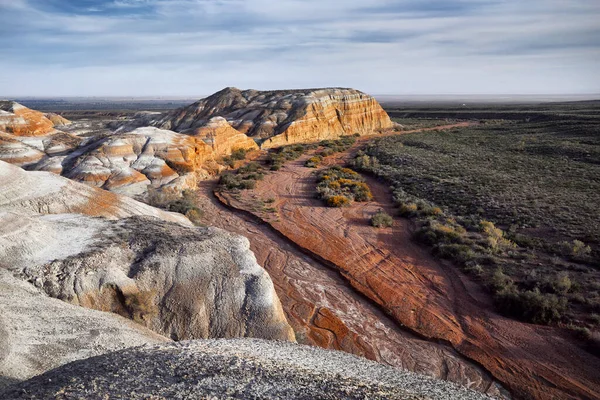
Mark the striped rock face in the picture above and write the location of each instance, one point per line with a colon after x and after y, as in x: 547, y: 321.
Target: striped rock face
x: 127, y: 163
x: 30, y: 192
x: 284, y: 117
x: 28, y: 136
x: 22, y: 121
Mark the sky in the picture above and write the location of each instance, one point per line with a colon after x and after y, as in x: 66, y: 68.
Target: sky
x: 196, y: 47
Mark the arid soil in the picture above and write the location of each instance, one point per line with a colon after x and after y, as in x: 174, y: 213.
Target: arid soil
x: 419, y: 292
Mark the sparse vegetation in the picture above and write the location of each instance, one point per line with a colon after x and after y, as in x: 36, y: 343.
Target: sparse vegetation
x: 236, y: 155
x: 277, y: 157
x: 173, y: 200
x: 330, y: 147
x: 313, y: 162
x: 339, y: 186
x: 244, y: 178
x: 522, y: 196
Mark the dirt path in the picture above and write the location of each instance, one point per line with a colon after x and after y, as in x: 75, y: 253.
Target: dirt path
x: 417, y: 290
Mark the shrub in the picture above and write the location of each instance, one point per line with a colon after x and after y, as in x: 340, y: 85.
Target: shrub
x: 313, y: 162
x: 338, y: 201
x: 459, y: 253
x: 408, y: 210
x: 382, y: 220
x: 229, y: 180
x: 576, y: 249
x: 562, y: 283
x: 434, y: 232
x: 531, y: 305
x: 500, y: 282
x: 195, y: 215
x: 361, y: 192
x: 184, y: 203
x: 337, y: 181
x: 161, y: 197
x: 247, y: 184
x: 249, y: 168
x: 239, y: 154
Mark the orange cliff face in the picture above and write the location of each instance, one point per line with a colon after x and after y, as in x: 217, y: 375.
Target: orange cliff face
x: 284, y: 117
x: 329, y: 114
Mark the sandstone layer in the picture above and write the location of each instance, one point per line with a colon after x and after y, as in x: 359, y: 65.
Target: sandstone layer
x: 233, y: 369
x: 222, y: 138
x: 127, y: 163
x: 284, y: 117
x: 39, y: 333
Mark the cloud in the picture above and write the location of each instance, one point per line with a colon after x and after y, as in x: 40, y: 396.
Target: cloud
x: 192, y: 47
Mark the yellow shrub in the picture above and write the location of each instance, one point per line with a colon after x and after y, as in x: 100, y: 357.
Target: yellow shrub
x: 338, y: 201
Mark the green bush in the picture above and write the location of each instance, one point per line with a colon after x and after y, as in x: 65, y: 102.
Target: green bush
x: 531, y: 305
x: 382, y: 220
x: 434, y: 232
x: 239, y: 154
x: 247, y: 184
x: 460, y: 253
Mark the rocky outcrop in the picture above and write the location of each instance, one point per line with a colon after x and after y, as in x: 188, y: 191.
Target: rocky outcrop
x: 222, y: 138
x: 181, y: 282
x: 236, y: 369
x: 18, y: 153
x: 28, y: 136
x: 32, y: 192
x: 22, y: 121
x: 284, y: 117
x: 39, y: 333
x: 57, y: 120
x: 127, y: 163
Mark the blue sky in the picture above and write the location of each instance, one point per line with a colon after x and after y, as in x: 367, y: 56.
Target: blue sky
x: 195, y: 47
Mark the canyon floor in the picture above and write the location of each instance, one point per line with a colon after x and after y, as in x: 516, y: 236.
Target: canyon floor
x: 376, y: 293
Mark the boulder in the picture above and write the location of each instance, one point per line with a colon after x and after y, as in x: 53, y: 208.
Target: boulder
x: 181, y: 282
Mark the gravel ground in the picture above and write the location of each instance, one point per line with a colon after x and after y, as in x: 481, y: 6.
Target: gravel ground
x: 232, y: 369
